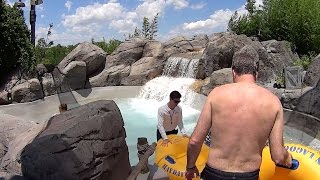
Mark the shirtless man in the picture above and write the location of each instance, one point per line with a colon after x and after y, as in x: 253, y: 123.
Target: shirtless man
x: 241, y: 116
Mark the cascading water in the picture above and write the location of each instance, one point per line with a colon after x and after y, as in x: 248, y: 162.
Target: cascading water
x: 159, y: 88
x: 142, y: 119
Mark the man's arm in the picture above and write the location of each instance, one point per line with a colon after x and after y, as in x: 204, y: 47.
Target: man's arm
x: 199, y: 134
x: 279, y: 154
x: 160, y: 125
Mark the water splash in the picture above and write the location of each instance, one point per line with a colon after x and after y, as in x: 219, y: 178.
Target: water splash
x: 159, y: 88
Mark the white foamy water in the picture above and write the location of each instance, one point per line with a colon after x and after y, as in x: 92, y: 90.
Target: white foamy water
x: 160, y: 88
x: 140, y: 117
x: 140, y: 114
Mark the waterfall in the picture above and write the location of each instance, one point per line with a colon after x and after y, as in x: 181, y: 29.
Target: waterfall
x: 181, y: 67
x: 179, y: 74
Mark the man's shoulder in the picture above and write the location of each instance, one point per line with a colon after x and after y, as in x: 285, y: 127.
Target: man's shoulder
x: 179, y: 108
x: 163, y: 107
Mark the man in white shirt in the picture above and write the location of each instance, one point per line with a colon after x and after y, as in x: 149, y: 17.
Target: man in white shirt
x: 169, y: 117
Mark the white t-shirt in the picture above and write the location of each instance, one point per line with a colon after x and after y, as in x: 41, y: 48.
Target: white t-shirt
x: 169, y: 119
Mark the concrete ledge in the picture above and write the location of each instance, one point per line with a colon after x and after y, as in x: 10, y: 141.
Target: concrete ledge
x: 303, y: 128
x: 155, y: 173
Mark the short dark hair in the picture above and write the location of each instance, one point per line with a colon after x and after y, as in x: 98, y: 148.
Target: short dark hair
x: 245, y: 64
x: 175, y: 94
x: 63, y: 107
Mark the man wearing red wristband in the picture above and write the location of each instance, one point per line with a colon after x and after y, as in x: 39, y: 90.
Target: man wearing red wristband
x: 241, y: 116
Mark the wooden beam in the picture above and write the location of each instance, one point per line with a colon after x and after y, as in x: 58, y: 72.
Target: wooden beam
x: 142, y: 162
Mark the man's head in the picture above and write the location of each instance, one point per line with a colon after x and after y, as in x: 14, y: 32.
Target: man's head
x: 63, y: 108
x: 244, y: 64
x: 175, y: 97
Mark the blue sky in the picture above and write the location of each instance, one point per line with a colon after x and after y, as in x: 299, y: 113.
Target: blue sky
x: 81, y: 20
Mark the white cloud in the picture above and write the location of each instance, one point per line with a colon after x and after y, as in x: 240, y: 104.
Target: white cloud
x: 123, y: 26
x: 178, y: 4
x: 219, y: 18
x: 198, y: 6
x: 218, y: 21
x: 111, y: 18
x: 68, y: 36
x: 93, y: 21
x: 96, y: 13
x: 111, y: 15
x: 150, y: 8
x: 68, y: 5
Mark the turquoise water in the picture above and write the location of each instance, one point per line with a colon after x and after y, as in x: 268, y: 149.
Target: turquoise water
x: 140, y: 120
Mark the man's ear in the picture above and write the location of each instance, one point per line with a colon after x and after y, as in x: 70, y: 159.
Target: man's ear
x: 234, y: 75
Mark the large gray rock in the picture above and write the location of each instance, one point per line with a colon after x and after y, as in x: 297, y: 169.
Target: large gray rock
x: 44, y: 68
x: 309, y: 102
x: 127, y: 53
x: 4, y: 98
x: 217, y: 78
x: 10, y: 128
x: 143, y: 70
x: 313, y: 73
x: 267, y: 73
x: 183, y: 44
x: 4, y: 175
x: 48, y: 84
x: 153, y: 49
x: 110, y: 77
x: 199, y: 41
x: 289, y: 98
x: 93, y: 56
x: 27, y: 91
x: 87, y: 142
x: 176, y: 45
x: 11, y: 162
x: 281, y: 54
x: 219, y: 51
x: 72, y: 77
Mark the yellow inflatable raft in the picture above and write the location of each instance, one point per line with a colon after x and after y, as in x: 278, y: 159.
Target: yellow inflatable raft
x: 306, y: 166
x: 173, y: 159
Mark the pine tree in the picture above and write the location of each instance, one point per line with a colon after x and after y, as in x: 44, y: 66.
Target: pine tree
x: 145, y: 28
x: 153, y: 27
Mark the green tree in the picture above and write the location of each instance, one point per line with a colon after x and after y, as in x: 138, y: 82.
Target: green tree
x: 149, y: 29
x: 137, y: 32
x: 108, y: 47
x: 296, y: 21
x: 16, y: 49
x: 153, y: 28
x: 42, y: 47
x: 145, y: 28
x: 250, y: 6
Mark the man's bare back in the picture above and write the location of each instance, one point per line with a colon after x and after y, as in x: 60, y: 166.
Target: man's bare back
x: 243, y: 115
